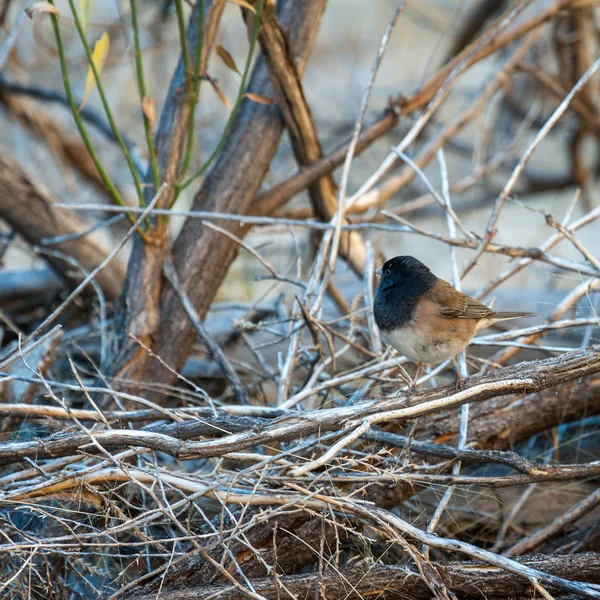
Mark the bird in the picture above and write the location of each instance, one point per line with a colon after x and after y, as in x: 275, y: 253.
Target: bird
x: 424, y: 317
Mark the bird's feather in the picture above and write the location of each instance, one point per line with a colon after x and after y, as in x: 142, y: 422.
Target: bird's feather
x: 455, y: 304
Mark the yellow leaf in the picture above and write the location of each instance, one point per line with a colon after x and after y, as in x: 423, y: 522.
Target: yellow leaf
x: 39, y: 8
x: 244, y: 4
x: 98, y: 57
x: 227, y: 58
x: 84, y: 14
x: 259, y: 99
x: 149, y: 110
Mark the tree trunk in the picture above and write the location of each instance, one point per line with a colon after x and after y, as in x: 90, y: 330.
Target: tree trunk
x: 201, y: 255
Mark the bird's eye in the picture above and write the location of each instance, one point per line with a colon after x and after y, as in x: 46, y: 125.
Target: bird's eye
x: 388, y: 272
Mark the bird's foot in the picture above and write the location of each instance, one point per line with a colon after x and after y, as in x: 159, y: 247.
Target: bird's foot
x: 411, y: 391
x: 459, y: 383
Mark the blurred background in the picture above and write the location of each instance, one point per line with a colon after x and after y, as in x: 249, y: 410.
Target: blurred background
x: 337, y: 73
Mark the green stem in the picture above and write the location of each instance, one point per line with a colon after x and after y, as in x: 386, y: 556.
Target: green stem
x: 139, y: 67
x: 79, y: 122
x: 196, y: 88
x: 238, y: 102
x: 106, y: 106
x: 185, y: 51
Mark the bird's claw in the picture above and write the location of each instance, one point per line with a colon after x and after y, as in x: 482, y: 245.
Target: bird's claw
x: 459, y: 383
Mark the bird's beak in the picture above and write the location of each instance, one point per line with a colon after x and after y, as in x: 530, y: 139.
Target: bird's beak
x: 378, y: 272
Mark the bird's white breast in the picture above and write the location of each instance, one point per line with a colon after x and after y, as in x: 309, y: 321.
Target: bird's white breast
x: 412, y: 343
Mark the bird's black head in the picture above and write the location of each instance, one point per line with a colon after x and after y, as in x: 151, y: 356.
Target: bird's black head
x: 404, y: 267
x: 404, y: 280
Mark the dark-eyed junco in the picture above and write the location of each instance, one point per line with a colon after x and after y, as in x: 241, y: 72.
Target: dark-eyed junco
x: 424, y: 317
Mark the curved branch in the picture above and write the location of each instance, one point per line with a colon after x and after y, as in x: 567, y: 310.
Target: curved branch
x: 524, y: 378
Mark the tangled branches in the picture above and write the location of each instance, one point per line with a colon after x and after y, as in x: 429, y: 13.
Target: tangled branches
x: 161, y: 442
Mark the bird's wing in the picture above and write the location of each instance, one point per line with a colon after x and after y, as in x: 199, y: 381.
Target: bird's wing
x: 456, y: 304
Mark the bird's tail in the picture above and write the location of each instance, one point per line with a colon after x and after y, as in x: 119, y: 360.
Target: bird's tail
x: 505, y: 316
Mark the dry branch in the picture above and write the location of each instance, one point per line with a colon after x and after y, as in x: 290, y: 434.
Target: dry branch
x: 541, y: 536
x: 540, y: 12
x: 66, y: 147
x: 499, y: 424
x: 23, y: 290
x: 526, y: 378
x: 29, y: 208
x: 468, y: 580
x: 299, y: 122
x: 318, y: 459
